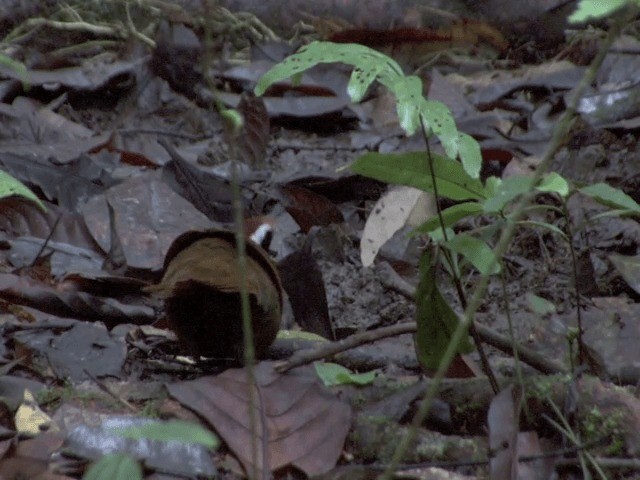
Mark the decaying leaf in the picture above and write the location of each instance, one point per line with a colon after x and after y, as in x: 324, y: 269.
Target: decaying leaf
x: 400, y: 206
x: 308, y: 208
x: 30, y: 419
x: 73, y: 304
x: 298, y: 421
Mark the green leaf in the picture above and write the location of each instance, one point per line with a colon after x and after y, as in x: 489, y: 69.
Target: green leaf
x: 554, y: 182
x: 435, y: 319
x: 611, y: 197
x: 174, y: 430
x: 476, y: 251
x: 540, y: 305
x: 333, y: 374
x: 439, y: 119
x: 369, y: 63
x: 450, y: 216
x: 596, y: 9
x: 361, y: 80
x: 506, y: 191
x: 470, y: 155
x: 408, y: 93
x: 10, y: 186
x: 18, y: 67
x: 116, y: 466
x: 411, y: 169
x: 546, y: 225
x: 300, y: 335
x: 233, y: 119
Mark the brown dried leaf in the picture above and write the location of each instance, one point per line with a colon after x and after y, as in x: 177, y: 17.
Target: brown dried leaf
x: 299, y: 422
x: 138, y: 204
x: 308, y: 208
x: 255, y: 135
x: 72, y: 304
x: 21, y: 217
x: 32, y: 458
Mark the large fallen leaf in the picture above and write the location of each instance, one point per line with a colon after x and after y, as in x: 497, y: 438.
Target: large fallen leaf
x: 68, y: 185
x: 21, y: 218
x: 503, y: 422
x: 32, y: 458
x: 398, y: 207
x: 148, y: 217
x: 77, y: 352
x: 298, y: 421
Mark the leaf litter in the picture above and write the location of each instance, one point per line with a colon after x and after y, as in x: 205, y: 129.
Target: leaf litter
x: 81, y: 138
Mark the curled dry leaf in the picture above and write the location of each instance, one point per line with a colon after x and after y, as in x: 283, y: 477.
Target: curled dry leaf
x: 298, y: 421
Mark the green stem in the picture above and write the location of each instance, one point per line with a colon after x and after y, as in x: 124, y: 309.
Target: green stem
x: 559, y: 134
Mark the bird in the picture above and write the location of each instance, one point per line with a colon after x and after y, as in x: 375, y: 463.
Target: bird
x: 200, y: 287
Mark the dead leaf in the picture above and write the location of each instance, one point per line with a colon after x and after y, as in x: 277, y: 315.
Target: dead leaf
x: 302, y: 280
x: 149, y: 216
x: 629, y: 268
x: 32, y: 458
x: 85, y: 347
x: 299, y: 422
x: 255, y: 135
x: 30, y: 419
x: 398, y: 207
x: 24, y: 291
x: 503, y: 420
x: 308, y: 208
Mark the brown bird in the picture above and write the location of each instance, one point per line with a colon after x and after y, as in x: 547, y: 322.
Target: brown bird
x: 201, y: 291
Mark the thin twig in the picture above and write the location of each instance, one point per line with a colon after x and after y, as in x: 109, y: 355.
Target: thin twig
x: 540, y: 362
x: 112, y: 394
x: 329, y: 349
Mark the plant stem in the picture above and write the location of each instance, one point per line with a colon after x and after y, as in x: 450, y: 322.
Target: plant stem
x: 486, y: 367
x: 559, y: 134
